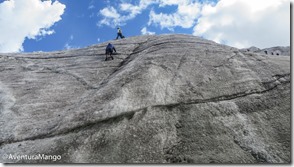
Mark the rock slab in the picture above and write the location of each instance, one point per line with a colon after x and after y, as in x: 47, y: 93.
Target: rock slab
x: 163, y: 99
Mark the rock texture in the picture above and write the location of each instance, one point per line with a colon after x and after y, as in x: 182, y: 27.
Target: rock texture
x: 276, y: 51
x: 163, y: 99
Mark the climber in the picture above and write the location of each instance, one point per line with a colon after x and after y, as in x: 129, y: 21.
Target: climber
x: 119, y: 33
x: 109, y: 50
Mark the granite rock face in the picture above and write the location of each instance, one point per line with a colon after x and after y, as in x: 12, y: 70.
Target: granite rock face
x: 163, y: 99
x: 273, y: 51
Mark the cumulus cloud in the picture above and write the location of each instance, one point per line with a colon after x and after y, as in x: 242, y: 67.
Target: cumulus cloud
x: 112, y: 17
x: 184, y: 17
x: 110, y: 13
x: 21, y: 19
x: 245, y: 23
x: 127, y: 11
x: 239, y: 23
x: 144, y: 31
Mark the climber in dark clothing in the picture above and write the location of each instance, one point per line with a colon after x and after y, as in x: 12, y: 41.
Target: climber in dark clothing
x: 109, y: 50
x: 119, y: 33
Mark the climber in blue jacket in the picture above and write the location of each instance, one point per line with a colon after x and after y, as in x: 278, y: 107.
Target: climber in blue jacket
x: 109, y: 50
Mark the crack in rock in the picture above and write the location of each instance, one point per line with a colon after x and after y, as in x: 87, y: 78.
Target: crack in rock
x: 79, y: 79
x: 123, y: 63
x: 172, y: 105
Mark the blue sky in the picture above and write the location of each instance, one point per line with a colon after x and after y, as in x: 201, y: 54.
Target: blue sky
x: 36, y: 25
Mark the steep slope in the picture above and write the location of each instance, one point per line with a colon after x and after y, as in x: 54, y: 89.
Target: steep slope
x: 163, y: 99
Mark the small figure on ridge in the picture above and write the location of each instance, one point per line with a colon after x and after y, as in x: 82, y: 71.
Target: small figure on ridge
x: 119, y: 33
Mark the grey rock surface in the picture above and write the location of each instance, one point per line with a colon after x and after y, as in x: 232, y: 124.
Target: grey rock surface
x: 251, y: 49
x: 273, y: 51
x: 163, y: 99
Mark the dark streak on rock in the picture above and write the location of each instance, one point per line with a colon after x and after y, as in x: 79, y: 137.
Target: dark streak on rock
x: 129, y: 113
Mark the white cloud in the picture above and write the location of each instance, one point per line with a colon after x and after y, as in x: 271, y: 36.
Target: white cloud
x: 112, y: 18
x: 144, y: 31
x: 245, y: 23
x: 188, y: 11
x: 184, y: 17
x: 239, y: 23
x: 163, y: 3
x: 110, y: 12
x: 20, y: 19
